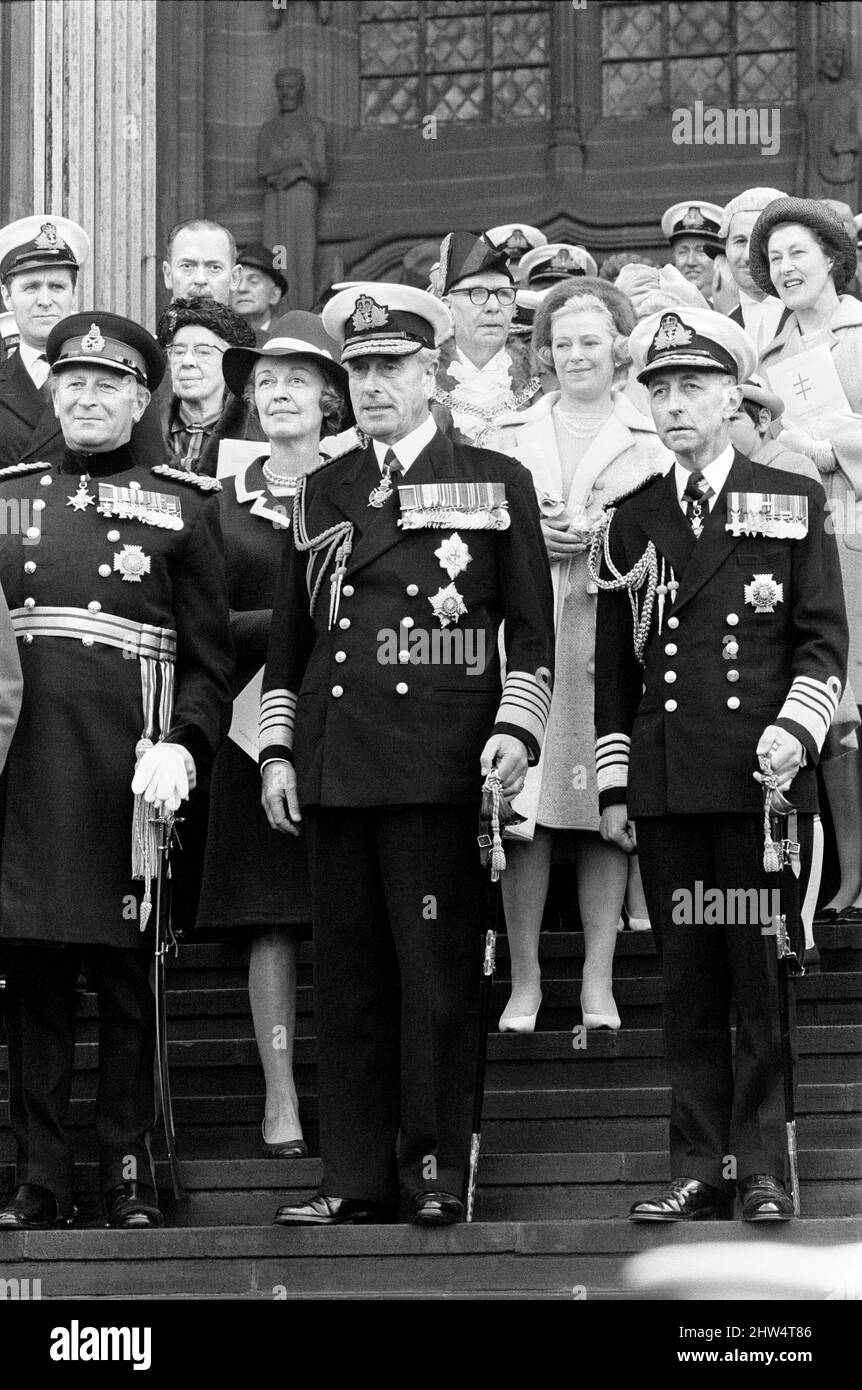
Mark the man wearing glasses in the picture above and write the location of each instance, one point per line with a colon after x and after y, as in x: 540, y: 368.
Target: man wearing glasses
x: 200, y: 411
x: 478, y: 384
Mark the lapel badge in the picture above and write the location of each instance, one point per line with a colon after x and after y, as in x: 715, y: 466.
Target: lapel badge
x: 448, y: 605
x: 93, y: 342
x: 454, y: 555
x: 132, y: 563
x: 763, y: 593
x: 367, y: 313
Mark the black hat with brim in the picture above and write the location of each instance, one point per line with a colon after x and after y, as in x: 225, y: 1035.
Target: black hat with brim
x: 100, y: 339
x: 296, y: 334
x: 258, y: 256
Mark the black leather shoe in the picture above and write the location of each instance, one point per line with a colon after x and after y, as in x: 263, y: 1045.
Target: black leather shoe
x: 436, y: 1209
x: 686, y: 1199
x: 34, y: 1208
x: 334, y: 1211
x: 764, y: 1199
x: 132, y: 1206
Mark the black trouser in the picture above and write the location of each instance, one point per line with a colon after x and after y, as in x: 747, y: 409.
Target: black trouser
x: 40, y: 1020
x: 720, y: 1110
x: 397, y: 951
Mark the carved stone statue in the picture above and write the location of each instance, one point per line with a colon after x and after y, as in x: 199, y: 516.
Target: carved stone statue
x: 828, y: 164
x: 291, y: 157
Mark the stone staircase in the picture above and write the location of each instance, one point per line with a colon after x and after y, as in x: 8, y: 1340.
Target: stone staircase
x: 572, y: 1134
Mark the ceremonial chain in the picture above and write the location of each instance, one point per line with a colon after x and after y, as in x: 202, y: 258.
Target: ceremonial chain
x: 489, y: 415
x: 339, y: 535
x: 645, y: 570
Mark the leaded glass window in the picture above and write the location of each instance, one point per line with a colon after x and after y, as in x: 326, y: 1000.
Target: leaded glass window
x: 455, y: 60
x: 662, y: 56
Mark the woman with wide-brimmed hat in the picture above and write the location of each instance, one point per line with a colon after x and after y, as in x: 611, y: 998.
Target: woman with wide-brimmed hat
x: 801, y: 252
x: 256, y: 882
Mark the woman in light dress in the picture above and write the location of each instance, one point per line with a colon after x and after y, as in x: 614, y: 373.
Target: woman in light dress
x: 585, y: 445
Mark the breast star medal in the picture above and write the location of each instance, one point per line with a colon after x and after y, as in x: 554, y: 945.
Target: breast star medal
x: 448, y: 605
x: 763, y: 593
x: 454, y: 555
x: 82, y: 499
x: 132, y: 563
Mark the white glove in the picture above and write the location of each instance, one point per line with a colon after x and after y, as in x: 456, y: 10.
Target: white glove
x: 818, y: 450
x: 164, y: 776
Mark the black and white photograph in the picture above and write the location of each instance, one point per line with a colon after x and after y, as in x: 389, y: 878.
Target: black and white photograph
x: 430, y: 670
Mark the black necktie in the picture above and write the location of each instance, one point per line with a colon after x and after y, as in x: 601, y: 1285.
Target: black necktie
x: 697, y: 491
x: 45, y: 389
x: 391, y: 468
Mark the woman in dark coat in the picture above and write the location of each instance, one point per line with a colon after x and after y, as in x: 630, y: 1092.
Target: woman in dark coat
x: 256, y: 881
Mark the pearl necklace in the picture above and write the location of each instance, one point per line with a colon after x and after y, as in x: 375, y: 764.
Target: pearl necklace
x: 587, y: 424
x: 279, y: 479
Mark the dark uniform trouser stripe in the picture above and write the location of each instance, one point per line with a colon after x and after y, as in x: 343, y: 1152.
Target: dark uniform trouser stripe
x: 41, y: 1028
x: 719, y: 1106
x: 397, y: 949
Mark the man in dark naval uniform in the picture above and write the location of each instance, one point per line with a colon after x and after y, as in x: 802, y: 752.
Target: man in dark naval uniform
x: 721, y: 641
x: 404, y: 559
x: 118, y: 599
x: 39, y: 262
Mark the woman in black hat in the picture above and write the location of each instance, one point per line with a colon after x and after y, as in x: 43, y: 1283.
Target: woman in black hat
x: 801, y: 252
x: 256, y: 881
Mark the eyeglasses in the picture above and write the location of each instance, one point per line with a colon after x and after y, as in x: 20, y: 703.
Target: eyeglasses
x: 480, y: 294
x: 201, y: 352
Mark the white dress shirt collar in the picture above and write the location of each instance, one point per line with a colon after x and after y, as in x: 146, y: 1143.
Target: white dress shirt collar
x: 408, y: 449
x: 37, y: 369
x: 715, y: 474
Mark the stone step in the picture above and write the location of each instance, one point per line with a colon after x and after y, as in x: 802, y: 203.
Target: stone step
x: 514, y: 1123
x: 559, y: 1258
x: 568, y: 1186
x: 205, y: 962
x: 539, y: 1098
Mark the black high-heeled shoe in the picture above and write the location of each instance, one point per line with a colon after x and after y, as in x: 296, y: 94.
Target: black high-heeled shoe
x: 288, y: 1148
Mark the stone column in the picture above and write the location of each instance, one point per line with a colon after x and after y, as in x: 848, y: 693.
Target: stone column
x: 94, y: 146
x: 568, y: 35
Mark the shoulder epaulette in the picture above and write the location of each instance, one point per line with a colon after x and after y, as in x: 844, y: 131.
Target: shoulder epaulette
x: 181, y: 475
x: 633, y: 491
x: 16, y: 468
x: 348, y: 442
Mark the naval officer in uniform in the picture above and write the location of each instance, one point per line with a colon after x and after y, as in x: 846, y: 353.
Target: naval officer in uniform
x: 40, y: 258
x: 736, y: 650
x: 118, y: 600
x: 382, y: 708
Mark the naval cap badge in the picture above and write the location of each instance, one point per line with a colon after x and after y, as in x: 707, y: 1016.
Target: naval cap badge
x: 367, y: 313
x: 49, y: 238
x: 672, y: 333
x: 694, y: 218
x: 132, y: 563
x: 93, y: 342
x: 763, y: 593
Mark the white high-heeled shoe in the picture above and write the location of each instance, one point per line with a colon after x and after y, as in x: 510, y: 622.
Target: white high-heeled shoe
x: 518, y: 1023
x: 611, y: 1021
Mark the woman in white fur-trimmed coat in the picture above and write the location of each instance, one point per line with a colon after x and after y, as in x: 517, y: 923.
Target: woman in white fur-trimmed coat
x: 585, y: 445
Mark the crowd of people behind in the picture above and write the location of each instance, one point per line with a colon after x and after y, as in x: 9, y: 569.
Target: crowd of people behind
x: 520, y: 348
